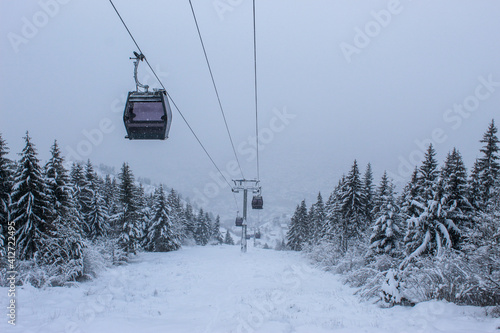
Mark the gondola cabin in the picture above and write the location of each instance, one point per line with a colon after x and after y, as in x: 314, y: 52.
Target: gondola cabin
x: 147, y: 115
x: 257, y: 202
x: 239, y: 221
x: 258, y: 234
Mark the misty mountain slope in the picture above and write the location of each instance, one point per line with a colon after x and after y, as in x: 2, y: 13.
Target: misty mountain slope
x: 218, y: 289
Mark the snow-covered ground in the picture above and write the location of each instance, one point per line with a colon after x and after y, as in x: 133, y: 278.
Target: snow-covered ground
x: 218, y: 289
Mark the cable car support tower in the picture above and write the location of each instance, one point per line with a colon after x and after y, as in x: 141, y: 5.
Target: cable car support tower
x: 245, y: 185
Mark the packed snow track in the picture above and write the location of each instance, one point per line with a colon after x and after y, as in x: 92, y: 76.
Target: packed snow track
x: 219, y: 289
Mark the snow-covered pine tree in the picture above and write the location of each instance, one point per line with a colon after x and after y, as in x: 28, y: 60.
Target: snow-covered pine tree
x: 30, y: 209
x: 77, y: 176
x: 312, y: 224
x: 317, y: 219
x: 177, y: 214
x: 110, y: 195
x: 161, y: 236
x: 144, y: 211
x: 474, y: 196
x: 386, y: 231
x: 78, y: 182
x: 216, y: 234
x: 429, y: 232
x: 419, y: 232
x: 5, y: 190
x: 352, y: 208
x: 130, y: 234
x: 97, y: 217
x: 428, y: 176
x: 202, y: 233
x: 91, y: 177
x: 88, y: 186
x: 298, y: 234
x: 228, y: 239
x: 455, y: 189
x: 390, y: 292
x: 489, y: 166
x: 58, y: 182
x: 333, y: 217
x: 66, y: 247
x: 368, y: 193
x: 408, y: 197
x: 379, y: 196
x: 210, y: 223
x: 190, y: 223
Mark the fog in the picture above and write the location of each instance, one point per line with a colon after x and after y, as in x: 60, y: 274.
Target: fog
x: 375, y: 81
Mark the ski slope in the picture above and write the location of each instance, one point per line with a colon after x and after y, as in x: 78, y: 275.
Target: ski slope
x: 218, y: 289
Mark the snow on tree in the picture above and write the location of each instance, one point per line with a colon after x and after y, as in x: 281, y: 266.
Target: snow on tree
x: 129, y: 215
x: 368, y: 193
x: 5, y: 190
x: 386, y: 232
x: 144, y: 211
x: 489, y: 166
x: 409, y: 195
x: 215, y: 233
x: 332, y: 228
x: 317, y: 218
x: 66, y: 219
x: 30, y: 210
x: 161, y: 236
x: 91, y: 177
x: 97, y: 218
x: 391, y: 289
x: 177, y: 214
x: 381, y: 192
x: 87, y: 196
x: 203, y: 228
x: 430, y: 231
x: 299, y: 231
x: 455, y: 190
x: 77, y: 177
x: 228, y: 239
x: 109, y: 192
x: 474, y: 196
x: 58, y: 182
x: 352, y: 207
x: 189, y: 222
x: 47, y: 231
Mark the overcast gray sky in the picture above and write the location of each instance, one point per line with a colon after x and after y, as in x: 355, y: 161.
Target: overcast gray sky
x: 338, y: 80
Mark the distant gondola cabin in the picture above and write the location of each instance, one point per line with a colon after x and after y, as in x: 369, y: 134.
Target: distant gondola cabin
x: 239, y: 221
x: 257, y: 202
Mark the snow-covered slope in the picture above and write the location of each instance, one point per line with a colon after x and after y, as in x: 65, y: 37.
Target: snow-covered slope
x: 218, y: 289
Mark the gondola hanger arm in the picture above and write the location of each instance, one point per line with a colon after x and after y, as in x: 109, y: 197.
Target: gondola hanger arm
x: 138, y: 58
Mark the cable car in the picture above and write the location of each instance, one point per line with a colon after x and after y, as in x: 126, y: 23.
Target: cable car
x: 258, y: 234
x: 147, y: 115
x: 239, y: 221
x: 257, y: 202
